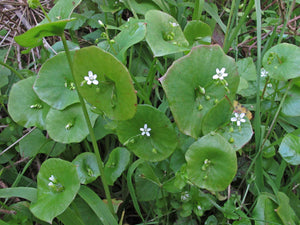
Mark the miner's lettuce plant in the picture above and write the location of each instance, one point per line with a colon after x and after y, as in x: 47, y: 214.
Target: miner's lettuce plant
x: 177, y: 140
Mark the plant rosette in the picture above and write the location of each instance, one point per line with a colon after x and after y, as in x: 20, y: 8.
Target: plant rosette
x: 149, y: 134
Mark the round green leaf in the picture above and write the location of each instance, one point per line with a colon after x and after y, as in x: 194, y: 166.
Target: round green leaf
x: 118, y: 161
x: 196, y: 32
x: 237, y: 136
x: 25, y: 107
x: 211, y: 163
x: 52, y: 201
x: 216, y: 116
x: 182, y: 84
x: 87, y: 167
x: 114, y: 94
x: 289, y: 149
x: 282, y: 61
x: 34, y: 37
x: 54, y: 84
x: 162, y: 140
x: 290, y: 106
x: 164, y: 34
x: 68, y: 125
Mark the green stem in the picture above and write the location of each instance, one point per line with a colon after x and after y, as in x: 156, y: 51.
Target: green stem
x: 45, y: 13
x: 12, y: 70
x: 91, y: 131
x: 257, y: 122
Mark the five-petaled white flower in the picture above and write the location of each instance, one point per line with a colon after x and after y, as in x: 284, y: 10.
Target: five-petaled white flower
x: 220, y: 74
x: 263, y: 72
x: 239, y: 117
x: 145, y: 130
x: 91, y: 78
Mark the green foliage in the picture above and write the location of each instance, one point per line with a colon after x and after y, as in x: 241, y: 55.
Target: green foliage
x: 138, y: 117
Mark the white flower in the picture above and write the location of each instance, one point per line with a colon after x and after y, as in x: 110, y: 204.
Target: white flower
x: 91, y: 78
x: 101, y: 23
x: 145, y: 130
x: 220, y: 74
x: 269, y: 85
x: 238, y: 118
x: 174, y: 24
x: 263, y: 72
x: 53, y: 179
x: 199, y: 207
x: 50, y: 184
x: 185, y: 196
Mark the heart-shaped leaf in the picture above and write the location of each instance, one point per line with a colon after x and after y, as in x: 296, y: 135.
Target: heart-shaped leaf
x: 87, y: 167
x: 117, y: 162
x: 192, y: 93
x: 54, y: 84
x: 58, y: 184
x: 149, y: 134
x: 282, y: 61
x: 34, y: 37
x: 211, y: 163
x: 112, y: 90
x: 164, y: 34
x: 25, y: 107
x: 69, y: 125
